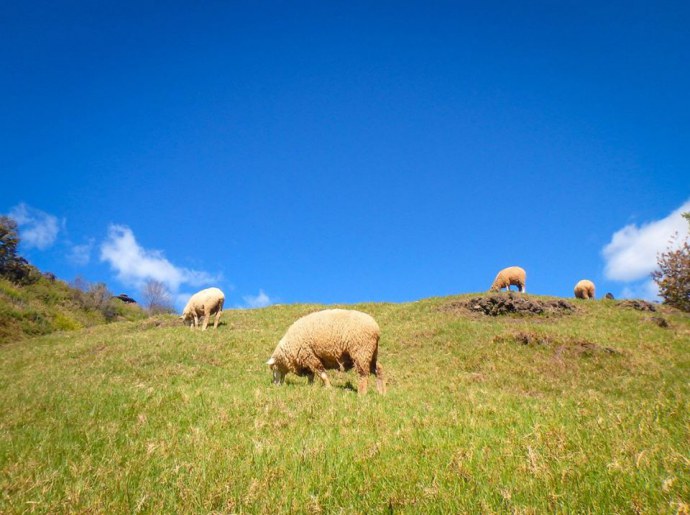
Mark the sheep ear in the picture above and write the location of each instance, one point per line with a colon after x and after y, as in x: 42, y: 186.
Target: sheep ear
x: 271, y: 361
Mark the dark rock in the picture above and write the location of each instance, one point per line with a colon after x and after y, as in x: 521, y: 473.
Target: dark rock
x: 125, y: 298
x: 660, y: 321
x: 640, y: 305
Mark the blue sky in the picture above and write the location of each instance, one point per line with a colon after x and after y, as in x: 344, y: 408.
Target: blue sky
x: 339, y: 152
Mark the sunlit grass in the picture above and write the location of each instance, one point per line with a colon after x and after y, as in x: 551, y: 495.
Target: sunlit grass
x: 152, y: 417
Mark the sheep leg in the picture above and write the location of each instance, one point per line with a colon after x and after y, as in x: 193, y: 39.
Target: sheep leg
x: 310, y: 378
x: 380, y: 381
x: 324, y: 378
x: 206, y: 317
x: 363, y: 373
x: 220, y: 310
x: 318, y: 368
x: 195, y: 323
x: 314, y: 365
x: 363, y: 383
x: 374, y: 368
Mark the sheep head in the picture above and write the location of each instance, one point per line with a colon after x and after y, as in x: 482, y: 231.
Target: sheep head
x: 278, y: 369
x: 188, y: 319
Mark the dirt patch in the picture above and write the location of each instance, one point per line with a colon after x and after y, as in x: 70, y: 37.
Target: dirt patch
x: 510, y: 304
x: 640, y: 305
x: 524, y: 338
x: 560, y: 345
x: 161, y: 321
x: 584, y: 348
x: 660, y: 321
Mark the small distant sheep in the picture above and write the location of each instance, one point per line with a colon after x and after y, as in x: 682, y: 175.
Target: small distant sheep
x: 330, y: 339
x: 584, y: 289
x: 511, y: 276
x: 203, y: 304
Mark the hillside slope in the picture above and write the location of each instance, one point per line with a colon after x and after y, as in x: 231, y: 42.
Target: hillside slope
x: 50, y: 305
x: 567, y: 410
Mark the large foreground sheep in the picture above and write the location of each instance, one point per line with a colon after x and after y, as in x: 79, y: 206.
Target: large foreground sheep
x: 513, y: 275
x: 584, y: 289
x: 203, y: 304
x: 330, y: 339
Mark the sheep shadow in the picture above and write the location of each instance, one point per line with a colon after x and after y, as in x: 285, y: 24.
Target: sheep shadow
x: 347, y: 386
x: 291, y: 381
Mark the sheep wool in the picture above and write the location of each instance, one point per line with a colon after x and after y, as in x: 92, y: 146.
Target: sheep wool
x: 330, y: 339
x: 203, y: 304
x: 511, y: 276
x: 584, y: 289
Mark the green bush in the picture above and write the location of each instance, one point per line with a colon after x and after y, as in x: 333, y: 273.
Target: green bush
x: 34, y: 322
x: 64, y: 323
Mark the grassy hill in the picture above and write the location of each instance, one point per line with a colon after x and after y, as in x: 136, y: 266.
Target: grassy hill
x: 50, y: 305
x: 565, y: 410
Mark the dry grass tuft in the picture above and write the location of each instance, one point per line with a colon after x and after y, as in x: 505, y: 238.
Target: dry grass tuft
x: 639, y: 305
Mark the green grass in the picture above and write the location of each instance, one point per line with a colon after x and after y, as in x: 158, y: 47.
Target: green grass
x: 151, y: 417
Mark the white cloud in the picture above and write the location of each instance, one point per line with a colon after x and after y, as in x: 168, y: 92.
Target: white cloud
x: 81, y: 254
x: 37, y: 228
x: 646, y: 290
x: 631, y: 254
x: 135, y: 265
x: 257, y: 301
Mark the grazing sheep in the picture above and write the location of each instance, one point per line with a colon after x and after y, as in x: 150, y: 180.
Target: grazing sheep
x: 511, y: 276
x: 584, y: 289
x: 330, y: 339
x: 203, y: 304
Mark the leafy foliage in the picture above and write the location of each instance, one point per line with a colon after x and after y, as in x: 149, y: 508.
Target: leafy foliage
x: 9, y: 240
x: 673, y: 275
x: 12, y: 266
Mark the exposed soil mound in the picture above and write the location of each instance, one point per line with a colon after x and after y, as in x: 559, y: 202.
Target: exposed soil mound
x: 560, y: 345
x: 640, y: 305
x: 660, y: 321
x: 510, y: 303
